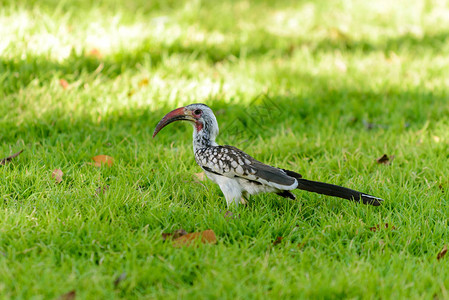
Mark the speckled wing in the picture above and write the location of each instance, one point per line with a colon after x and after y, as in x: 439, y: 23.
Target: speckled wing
x: 231, y: 162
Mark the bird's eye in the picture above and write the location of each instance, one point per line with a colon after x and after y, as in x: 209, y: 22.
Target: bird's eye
x: 197, y: 112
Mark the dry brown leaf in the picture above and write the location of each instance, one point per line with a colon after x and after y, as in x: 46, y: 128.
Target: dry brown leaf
x: 174, y: 235
x: 57, y: 175
x: 374, y: 228
x: 392, y: 227
x: 68, y: 296
x: 442, y: 253
x: 278, y: 240
x: 384, y: 159
x: 63, y: 83
x: 144, y: 82
x: 95, y: 52
x: 190, y: 239
x: 101, y: 160
x: 101, y: 190
x: 119, y: 279
x: 378, y: 227
x: 200, y: 176
x: 6, y: 160
x: 230, y: 215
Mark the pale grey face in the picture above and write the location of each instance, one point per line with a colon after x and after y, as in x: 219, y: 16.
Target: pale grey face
x: 205, y: 118
x: 201, y: 112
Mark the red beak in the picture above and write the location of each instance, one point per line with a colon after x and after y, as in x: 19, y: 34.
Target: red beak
x: 178, y: 114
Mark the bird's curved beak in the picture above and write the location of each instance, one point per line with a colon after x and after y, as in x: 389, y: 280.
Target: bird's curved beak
x: 179, y: 114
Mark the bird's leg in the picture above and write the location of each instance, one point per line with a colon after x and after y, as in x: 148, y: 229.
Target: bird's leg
x: 231, y: 190
x: 244, y: 199
x: 232, y: 198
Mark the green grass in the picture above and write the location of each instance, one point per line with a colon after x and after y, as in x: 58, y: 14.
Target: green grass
x: 295, y: 84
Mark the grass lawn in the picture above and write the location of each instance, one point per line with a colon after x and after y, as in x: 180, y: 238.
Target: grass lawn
x: 323, y: 88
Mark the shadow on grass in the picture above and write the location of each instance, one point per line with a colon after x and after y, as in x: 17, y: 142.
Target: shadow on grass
x: 241, y: 124
x: 20, y: 72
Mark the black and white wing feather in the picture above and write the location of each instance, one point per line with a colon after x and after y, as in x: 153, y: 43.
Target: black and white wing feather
x: 231, y: 162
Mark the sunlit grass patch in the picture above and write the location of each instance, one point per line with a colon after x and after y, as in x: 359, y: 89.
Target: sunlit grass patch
x: 323, y: 88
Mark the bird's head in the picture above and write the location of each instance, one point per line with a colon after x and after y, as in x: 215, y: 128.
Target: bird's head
x: 199, y: 115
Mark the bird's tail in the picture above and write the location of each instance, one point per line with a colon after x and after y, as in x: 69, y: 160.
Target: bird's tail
x: 337, y: 191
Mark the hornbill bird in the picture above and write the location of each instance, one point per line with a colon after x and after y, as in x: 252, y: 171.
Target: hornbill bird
x: 238, y: 174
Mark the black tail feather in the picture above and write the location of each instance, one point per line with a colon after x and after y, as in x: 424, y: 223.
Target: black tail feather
x: 337, y: 191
